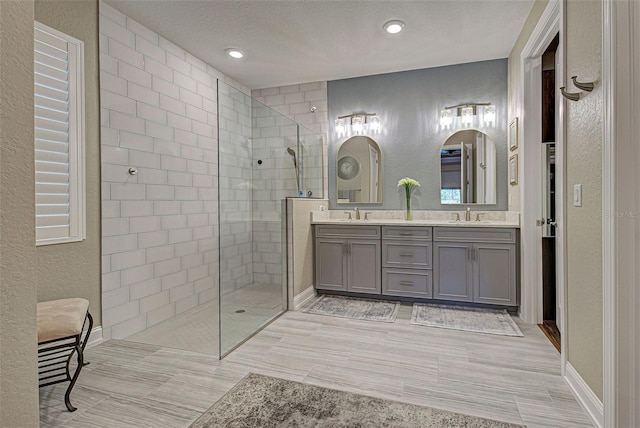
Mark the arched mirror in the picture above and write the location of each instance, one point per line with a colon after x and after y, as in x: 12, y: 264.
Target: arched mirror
x: 468, y: 169
x: 359, y: 171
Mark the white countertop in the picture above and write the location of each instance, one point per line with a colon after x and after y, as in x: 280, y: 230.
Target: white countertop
x: 507, y: 219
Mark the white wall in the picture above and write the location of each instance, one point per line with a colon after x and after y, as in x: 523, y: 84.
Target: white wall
x: 159, y: 230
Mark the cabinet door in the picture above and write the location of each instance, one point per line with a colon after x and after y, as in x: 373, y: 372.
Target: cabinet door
x: 452, y: 271
x: 494, y: 274
x: 364, y: 266
x: 331, y: 264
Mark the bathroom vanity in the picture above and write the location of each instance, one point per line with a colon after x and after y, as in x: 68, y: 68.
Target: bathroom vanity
x: 437, y: 259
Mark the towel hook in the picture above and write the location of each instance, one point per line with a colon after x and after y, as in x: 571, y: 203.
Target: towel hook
x: 573, y: 96
x: 585, y: 86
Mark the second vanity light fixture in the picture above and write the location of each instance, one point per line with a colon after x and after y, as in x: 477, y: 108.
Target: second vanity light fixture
x: 357, y: 124
x: 466, y: 114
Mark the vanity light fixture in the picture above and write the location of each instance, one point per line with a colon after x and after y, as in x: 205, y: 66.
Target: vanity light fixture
x: 466, y: 113
x: 489, y: 116
x: 393, y: 26
x: 234, y: 53
x: 357, y: 124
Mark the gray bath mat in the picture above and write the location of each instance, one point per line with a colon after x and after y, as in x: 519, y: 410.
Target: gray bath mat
x: 263, y: 401
x: 479, y: 320
x: 357, y: 309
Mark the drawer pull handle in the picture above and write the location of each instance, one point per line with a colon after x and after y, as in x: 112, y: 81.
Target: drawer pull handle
x: 406, y: 282
x: 406, y: 254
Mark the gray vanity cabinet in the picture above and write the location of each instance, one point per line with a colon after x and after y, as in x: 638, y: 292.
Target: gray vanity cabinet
x: 453, y: 271
x: 476, y: 265
x: 407, y: 261
x: 348, y: 258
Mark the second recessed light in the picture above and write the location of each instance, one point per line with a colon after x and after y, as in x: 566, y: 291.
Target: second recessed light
x: 235, y: 53
x: 394, y: 27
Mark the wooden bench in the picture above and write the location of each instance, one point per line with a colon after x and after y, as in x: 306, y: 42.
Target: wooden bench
x: 60, y: 327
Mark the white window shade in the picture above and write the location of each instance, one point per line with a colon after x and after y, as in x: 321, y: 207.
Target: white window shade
x: 59, y: 136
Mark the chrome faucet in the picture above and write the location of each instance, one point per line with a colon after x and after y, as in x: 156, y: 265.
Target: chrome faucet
x: 467, y: 214
x: 478, y: 216
x: 349, y: 213
x: 357, y: 213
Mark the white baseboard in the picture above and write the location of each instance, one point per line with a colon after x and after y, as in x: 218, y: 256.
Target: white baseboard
x: 95, y: 338
x: 585, y: 396
x: 303, y: 298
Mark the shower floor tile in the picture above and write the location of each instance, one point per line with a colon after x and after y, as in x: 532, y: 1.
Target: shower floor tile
x: 243, y: 312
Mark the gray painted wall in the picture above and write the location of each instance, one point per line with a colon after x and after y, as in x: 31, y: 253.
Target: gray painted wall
x: 409, y: 105
x: 18, y: 292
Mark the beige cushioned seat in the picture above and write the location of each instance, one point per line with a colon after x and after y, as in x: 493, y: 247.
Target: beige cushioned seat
x: 61, y: 318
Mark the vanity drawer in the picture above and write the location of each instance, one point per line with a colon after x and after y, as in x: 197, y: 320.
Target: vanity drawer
x: 477, y: 234
x: 406, y: 282
x: 331, y: 231
x: 413, y: 255
x: 406, y: 232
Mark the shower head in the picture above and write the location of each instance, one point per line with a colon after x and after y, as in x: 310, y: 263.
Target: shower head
x: 292, y: 153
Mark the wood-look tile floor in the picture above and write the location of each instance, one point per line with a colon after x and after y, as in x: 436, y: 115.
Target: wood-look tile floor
x: 510, y: 379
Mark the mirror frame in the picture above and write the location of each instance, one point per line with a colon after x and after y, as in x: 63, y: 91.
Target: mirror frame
x: 440, y: 170
x: 380, y: 168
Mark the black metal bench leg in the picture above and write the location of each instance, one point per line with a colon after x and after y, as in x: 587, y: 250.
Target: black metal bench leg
x: 67, y: 395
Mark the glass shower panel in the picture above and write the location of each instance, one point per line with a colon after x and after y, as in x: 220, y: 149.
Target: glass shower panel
x: 311, y: 161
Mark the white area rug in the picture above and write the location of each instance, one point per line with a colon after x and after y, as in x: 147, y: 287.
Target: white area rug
x: 479, y: 320
x: 357, y: 309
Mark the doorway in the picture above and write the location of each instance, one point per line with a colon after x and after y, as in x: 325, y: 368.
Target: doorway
x: 551, y: 313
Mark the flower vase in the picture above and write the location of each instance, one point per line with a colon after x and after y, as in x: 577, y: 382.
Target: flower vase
x: 408, y: 214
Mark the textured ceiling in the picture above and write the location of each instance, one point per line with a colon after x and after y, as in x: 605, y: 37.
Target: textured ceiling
x: 289, y: 42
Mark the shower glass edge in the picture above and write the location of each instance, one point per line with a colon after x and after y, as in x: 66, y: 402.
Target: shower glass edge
x: 256, y: 174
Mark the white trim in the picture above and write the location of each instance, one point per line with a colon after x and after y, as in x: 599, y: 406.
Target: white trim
x: 609, y: 286
x: 303, y: 298
x: 96, y: 337
x: 585, y: 396
x: 550, y: 24
x: 560, y: 189
x: 621, y: 205
x: 76, y: 121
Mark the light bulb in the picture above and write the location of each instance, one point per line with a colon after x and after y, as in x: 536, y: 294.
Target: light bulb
x: 393, y: 27
x: 357, y: 124
x: 467, y: 115
x: 375, y: 124
x: 445, y: 118
x: 489, y: 114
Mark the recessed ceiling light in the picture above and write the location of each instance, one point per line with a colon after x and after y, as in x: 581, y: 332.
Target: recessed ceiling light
x: 235, y: 53
x: 393, y: 27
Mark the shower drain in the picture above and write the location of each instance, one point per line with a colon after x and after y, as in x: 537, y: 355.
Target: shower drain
x: 240, y: 311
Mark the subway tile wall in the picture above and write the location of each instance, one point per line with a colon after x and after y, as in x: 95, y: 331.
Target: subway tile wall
x: 160, y: 226
x: 236, y: 187
x: 276, y: 175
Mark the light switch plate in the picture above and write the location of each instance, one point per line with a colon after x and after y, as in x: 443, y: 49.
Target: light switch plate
x: 577, y: 195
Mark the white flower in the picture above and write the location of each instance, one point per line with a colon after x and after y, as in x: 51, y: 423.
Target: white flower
x: 408, y: 183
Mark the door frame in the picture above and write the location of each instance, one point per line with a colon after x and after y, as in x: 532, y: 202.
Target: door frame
x: 552, y: 22
x: 621, y: 208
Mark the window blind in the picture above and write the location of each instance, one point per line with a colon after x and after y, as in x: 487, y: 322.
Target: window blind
x: 59, y: 166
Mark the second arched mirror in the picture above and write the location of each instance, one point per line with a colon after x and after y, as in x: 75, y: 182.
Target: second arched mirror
x: 468, y: 169
x: 359, y: 171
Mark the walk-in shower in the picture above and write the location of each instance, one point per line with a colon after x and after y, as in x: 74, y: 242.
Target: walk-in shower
x: 256, y: 148
x: 243, y: 256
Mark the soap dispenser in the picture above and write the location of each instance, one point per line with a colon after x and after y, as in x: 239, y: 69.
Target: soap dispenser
x: 467, y: 215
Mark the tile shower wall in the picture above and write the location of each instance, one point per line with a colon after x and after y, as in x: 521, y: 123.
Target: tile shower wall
x: 275, y: 177
x: 296, y: 102
x: 159, y: 230
x: 236, y: 184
